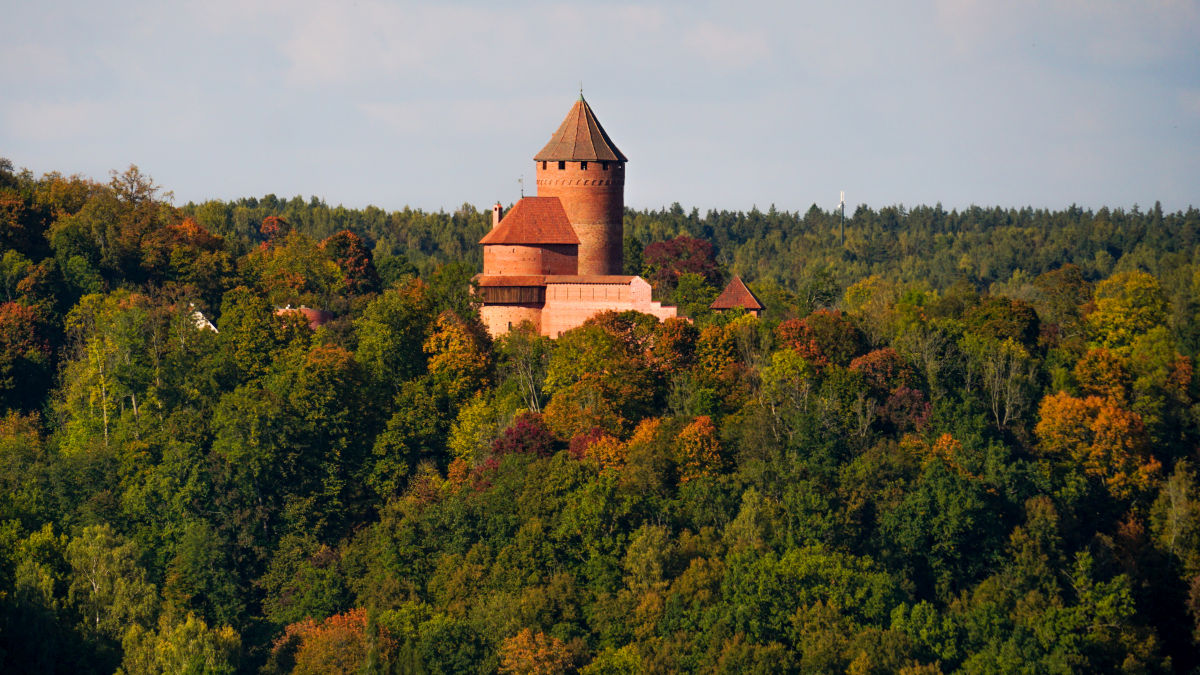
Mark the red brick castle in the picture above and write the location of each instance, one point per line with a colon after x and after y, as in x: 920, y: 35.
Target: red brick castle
x: 556, y: 259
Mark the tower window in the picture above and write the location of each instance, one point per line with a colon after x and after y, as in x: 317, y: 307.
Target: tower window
x: 562, y: 166
x: 583, y: 166
x: 604, y: 166
x: 543, y: 165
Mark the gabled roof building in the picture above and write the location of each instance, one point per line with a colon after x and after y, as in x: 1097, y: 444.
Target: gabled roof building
x: 737, y: 295
x: 556, y: 259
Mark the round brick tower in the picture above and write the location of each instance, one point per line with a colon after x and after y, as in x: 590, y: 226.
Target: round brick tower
x: 585, y: 170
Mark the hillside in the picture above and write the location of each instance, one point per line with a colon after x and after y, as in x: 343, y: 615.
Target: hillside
x: 960, y: 442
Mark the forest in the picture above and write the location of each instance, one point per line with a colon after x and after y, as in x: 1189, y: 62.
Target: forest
x: 956, y: 441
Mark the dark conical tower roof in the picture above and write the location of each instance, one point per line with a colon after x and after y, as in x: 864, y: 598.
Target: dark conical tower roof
x: 580, y: 138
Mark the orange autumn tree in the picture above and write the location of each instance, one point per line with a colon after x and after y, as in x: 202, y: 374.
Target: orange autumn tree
x: 673, y: 347
x: 534, y: 653
x: 1107, y: 439
x: 1104, y: 373
x: 884, y: 370
x: 607, y: 453
x: 347, y: 251
x: 25, y: 355
x: 339, y: 644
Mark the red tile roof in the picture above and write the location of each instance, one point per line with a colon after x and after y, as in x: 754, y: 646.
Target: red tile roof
x: 315, y: 317
x: 588, y: 279
x: 492, y: 280
x: 533, y: 220
x: 736, y: 294
x: 580, y: 137
x: 489, y: 280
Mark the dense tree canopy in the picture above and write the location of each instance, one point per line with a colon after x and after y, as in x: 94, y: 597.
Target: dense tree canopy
x: 963, y: 442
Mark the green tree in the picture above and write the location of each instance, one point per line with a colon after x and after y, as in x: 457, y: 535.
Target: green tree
x: 523, y: 356
x: 108, y: 587
x: 391, y: 333
x: 296, y: 270
x: 253, y: 334
x: 116, y: 364
x: 693, y: 295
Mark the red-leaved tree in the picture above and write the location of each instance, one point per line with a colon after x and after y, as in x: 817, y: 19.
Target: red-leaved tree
x: 527, y: 435
x: 664, y: 261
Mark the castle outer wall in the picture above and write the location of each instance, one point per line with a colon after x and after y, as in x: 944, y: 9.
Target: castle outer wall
x: 500, y: 319
x: 570, y: 302
x: 567, y: 301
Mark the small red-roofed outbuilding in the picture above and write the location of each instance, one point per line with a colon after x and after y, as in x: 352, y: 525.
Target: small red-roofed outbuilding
x: 315, y: 317
x: 738, y: 296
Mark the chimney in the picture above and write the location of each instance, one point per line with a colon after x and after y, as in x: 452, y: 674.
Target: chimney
x: 497, y: 214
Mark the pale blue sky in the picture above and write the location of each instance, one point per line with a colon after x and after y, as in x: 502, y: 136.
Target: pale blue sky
x: 717, y: 104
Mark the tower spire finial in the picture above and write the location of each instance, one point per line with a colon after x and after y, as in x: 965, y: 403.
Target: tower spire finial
x: 581, y: 90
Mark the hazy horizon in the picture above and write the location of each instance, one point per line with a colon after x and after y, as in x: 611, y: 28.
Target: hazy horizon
x: 432, y: 105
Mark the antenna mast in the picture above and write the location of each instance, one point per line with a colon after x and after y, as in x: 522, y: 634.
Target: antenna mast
x: 842, y: 205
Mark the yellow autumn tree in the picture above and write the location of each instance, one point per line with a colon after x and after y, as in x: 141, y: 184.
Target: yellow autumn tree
x: 716, y: 352
x: 697, y: 450
x: 187, y: 646
x: 473, y: 431
x: 1128, y: 305
x: 460, y: 356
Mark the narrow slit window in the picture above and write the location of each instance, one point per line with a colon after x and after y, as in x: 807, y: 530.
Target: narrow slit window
x: 562, y: 166
x: 583, y: 166
x: 604, y: 166
x: 543, y: 165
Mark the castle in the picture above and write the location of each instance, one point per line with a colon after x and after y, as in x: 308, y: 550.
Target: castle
x: 556, y: 259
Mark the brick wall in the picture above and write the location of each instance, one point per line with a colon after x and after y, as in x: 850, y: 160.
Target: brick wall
x: 506, y: 259
x: 517, y: 259
x: 594, y: 199
x: 569, y: 305
x: 560, y: 259
x: 500, y: 318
